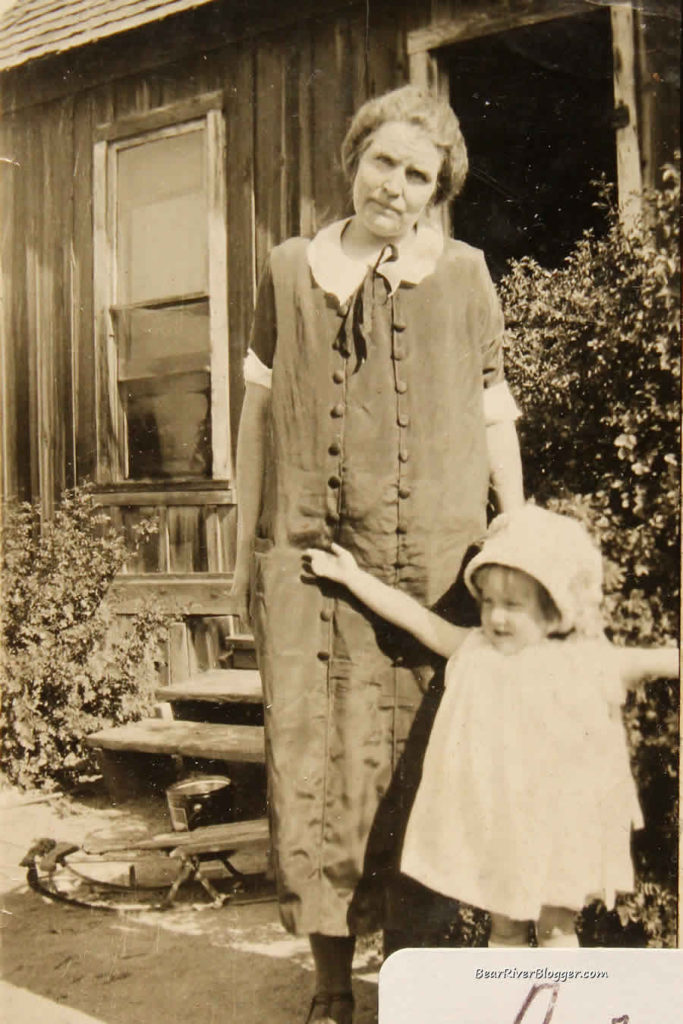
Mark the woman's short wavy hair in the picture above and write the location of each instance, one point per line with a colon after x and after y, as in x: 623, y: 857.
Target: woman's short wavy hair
x: 412, y: 106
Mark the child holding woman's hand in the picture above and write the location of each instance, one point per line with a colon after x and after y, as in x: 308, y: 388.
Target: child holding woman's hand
x: 526, y: 802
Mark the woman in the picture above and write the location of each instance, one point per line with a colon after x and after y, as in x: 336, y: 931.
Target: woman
x: 375, y: 416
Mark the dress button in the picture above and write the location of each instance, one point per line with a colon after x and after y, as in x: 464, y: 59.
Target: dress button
x: 332, y: 518
x: 400, y: 562
x: 401, y: 387
x: 326, y: 614
x: 404, y: 492
x: 398, y: 353
x: 323, y: 655
x: 335, y: 448
x: 401, y: 528
x: 338, y: 376
x: 403, y: 419
x: 334, y: 482
x: 399, y: 326
x: 337, y: 410
x: 403, y: 455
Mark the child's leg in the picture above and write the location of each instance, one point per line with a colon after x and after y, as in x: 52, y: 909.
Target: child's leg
x: 333, y: 956
x: 556, y: 928
x: 506, y: 931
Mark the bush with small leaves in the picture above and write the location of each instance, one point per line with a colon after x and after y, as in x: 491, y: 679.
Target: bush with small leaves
x: 68, y: 665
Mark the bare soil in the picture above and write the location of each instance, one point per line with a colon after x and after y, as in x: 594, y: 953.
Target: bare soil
x: 192, y: 963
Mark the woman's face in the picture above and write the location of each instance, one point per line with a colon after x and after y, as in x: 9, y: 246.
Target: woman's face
x: 395, y: 180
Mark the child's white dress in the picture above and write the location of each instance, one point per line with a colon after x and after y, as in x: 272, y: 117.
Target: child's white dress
x: 527, y: 796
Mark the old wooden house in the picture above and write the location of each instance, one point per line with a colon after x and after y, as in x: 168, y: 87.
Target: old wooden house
x: 151, y: 153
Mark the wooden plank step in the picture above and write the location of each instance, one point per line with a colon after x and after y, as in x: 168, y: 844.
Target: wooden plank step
x: 245, y: 641
x: 233, y: 835
x: 231, y: 685
x: 242, y: 743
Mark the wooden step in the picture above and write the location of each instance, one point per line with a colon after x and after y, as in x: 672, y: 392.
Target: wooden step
x: 224, y: 686
x: 242, y: 743
x: 233, y: 835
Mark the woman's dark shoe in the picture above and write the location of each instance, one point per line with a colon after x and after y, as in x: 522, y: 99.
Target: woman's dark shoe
x: 327, y: 1009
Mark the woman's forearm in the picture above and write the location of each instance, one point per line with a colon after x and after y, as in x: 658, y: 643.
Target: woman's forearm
x: 505, y: 465
x: 251, y: 453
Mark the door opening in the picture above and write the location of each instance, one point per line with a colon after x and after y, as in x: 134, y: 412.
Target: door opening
x: 536, y: 108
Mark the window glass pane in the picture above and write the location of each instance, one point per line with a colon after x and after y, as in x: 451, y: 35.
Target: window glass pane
x: 165, y: 388
x: 165, y: 339
x: 169, y: 426
x: 162, y: 217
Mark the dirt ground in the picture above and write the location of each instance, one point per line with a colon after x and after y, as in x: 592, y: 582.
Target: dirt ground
x: 193, y: 963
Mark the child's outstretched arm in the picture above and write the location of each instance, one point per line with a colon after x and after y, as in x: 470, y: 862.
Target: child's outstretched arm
x: 393, y: 605
x: 638, y: 664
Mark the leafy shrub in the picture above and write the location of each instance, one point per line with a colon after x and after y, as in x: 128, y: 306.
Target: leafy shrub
x: 593, y: 358
x: 68, y: 665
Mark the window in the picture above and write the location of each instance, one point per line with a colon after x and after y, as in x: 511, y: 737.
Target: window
x: 161, y: 302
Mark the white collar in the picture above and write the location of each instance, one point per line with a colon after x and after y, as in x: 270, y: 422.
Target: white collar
x: 340, y: 275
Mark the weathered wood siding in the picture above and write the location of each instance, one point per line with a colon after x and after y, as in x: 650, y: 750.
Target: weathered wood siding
x: 290, y: 83
x: 288, y: 95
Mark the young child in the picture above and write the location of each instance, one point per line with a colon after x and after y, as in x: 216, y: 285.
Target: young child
x: 526, y: 802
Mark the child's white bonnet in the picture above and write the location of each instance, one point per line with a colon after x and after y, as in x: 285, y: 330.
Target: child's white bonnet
x: 553, y: 549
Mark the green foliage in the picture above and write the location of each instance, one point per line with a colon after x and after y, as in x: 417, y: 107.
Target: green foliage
x: 594, y: 360
x: 68, y: 666
x: 593, y: 357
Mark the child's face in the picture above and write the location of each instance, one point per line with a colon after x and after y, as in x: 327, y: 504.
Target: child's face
x: 512, y: 616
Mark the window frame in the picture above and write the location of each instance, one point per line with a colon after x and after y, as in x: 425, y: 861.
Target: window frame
x: 111, y: 430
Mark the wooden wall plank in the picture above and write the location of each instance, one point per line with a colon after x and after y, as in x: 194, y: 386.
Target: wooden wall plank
x: 14, y: 415
x: 387, y: 60
x: 221, y: 537
x: 186, y: 540
x: 178, y: 653
x: 333, y: 106
x: 269, y: 164
x: 83, y: 349
x: 629, y: 174
x: 658, y: 39
x: 148, y: 557
x: 305, y: 152
x: 201, y: 595
x: 47, y: 240
x: 218, y: 289
x: 240, y: 157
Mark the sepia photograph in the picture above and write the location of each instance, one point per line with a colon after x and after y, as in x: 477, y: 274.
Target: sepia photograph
x: 340, y: 451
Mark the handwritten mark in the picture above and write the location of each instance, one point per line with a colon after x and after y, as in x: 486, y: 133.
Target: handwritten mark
x: 553, y: 988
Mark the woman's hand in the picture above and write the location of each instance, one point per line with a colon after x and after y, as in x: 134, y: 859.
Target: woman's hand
x: 336, y: 564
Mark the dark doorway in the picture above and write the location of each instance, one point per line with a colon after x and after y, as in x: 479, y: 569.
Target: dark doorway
x: 537, y: 110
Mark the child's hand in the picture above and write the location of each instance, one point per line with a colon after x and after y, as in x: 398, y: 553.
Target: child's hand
x: 337, y: 564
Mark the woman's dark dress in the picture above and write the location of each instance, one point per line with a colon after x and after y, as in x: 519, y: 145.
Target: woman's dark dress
x: 388, y: 459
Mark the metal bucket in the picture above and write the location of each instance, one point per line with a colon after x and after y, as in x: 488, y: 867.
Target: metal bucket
x: 206, y: 800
